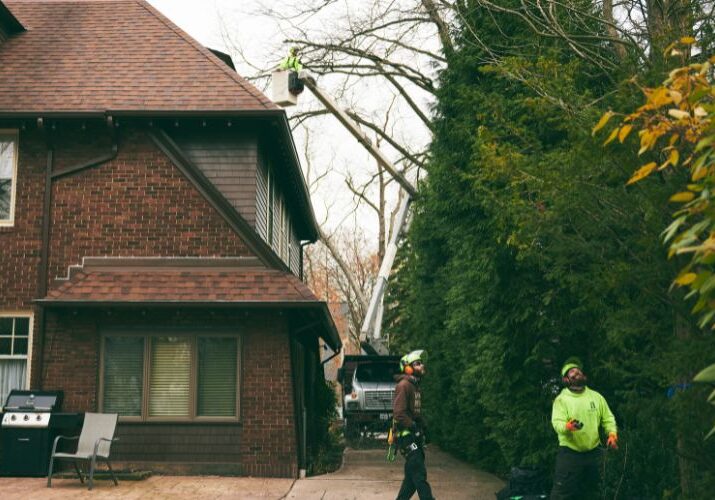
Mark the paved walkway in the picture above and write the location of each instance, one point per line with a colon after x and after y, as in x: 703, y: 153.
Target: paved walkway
x: 155, y: 487
x: 365, y: 475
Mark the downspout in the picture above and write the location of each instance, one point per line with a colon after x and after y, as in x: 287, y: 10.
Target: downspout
x: 43, y: 271
x: 331, y: 357
x: 44, y: 254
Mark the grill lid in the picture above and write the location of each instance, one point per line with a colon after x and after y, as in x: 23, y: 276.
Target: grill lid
x: 33, y: 401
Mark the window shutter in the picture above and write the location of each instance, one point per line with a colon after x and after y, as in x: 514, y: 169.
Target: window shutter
x: 217, y: 381
x: 123, y: 375
x: 170, y: 379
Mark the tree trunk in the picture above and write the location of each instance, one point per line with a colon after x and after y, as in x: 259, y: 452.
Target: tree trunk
x: 667, y: 21
x: 611, y: 28
x: 685, y: 466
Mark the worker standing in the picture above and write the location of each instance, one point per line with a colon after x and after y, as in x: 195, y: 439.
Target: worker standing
x: 410, y: 426
x: 578, y: 413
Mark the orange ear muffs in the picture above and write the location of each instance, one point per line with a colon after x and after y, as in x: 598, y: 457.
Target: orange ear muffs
x: 409, y: 370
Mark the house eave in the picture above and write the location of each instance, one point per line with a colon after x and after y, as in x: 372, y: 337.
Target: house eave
x: 331, y: 336
x: 277, y: 116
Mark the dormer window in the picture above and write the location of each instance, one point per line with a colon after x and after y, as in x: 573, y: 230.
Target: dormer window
x: 8, y: 176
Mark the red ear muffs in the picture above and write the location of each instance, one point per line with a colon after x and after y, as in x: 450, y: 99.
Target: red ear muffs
x: 409, y: 370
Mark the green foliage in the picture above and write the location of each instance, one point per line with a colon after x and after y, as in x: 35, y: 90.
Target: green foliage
x: 707, y: 376
x: 676, y: 123
x: 327, y: 451
x: 527, y: 248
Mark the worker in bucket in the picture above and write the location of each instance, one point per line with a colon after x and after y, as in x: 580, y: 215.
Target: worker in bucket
x: 292, y: 61
x: 578, y: 414
x: 409, y: 426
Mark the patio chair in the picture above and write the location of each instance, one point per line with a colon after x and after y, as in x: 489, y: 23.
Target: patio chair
x: 94, y: 443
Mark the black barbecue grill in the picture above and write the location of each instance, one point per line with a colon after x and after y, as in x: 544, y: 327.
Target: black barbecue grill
x: 31, y: 420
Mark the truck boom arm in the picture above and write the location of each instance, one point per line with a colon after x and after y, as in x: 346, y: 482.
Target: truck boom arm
x: 371, y: 327
x: 356, y: 131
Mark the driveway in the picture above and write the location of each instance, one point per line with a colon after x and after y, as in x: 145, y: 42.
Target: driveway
x: 365, y: 475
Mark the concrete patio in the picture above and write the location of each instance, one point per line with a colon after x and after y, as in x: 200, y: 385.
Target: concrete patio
x: 364, y: 475
x: 155, y: 487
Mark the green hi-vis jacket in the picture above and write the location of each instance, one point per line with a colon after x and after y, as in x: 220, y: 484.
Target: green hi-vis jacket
x: 291, y: 63
x: 588, y: 407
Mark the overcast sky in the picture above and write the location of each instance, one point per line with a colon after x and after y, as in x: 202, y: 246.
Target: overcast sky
x: 258, y: 36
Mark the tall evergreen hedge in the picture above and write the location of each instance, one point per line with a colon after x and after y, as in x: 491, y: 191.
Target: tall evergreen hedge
x: 527, y: 248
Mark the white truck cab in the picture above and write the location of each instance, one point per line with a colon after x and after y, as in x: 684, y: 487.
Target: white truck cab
x: 368, y: 389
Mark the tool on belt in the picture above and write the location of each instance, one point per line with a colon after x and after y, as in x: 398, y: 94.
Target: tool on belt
x: 391, y: 443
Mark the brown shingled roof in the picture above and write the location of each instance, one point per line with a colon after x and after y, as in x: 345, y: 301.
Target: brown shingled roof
x: 256, y: 286
x: 80, y: 56
x: 186, y: 282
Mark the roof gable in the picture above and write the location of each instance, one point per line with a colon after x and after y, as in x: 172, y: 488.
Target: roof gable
x: 116, y: 56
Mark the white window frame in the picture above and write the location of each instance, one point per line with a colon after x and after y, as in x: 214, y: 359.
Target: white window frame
x: 14, y: 134
x: 27, y: 357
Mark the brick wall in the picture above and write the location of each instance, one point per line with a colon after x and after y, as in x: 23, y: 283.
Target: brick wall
x: 20, y: 244
x: 139, y: 204
x: 262, y: 444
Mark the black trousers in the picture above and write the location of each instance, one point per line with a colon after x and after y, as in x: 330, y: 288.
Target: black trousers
x: 577, y: 475
x: 415, y: 477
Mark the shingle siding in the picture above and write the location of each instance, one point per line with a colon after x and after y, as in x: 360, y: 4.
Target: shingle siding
x: 229, y: 160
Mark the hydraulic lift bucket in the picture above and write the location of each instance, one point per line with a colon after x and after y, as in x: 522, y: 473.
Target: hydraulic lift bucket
x: 282, y: 95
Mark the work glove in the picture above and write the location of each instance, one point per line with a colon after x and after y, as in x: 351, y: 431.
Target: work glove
x: 573, y: 425
x: 612, y: 441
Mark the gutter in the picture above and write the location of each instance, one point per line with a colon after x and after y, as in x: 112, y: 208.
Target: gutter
x: 103, y: 114
x: 331, y: 337
x: 337, y: 352
x: 278, y: 117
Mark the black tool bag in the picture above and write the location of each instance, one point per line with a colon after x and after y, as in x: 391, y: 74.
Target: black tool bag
x: 525, y: 483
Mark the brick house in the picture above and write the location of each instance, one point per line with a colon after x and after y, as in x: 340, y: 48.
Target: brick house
x: 152, y: 222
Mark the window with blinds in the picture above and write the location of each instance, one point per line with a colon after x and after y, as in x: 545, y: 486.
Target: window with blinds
x: 123, y: 375
x: 171, y: 377
x: 218, y: 362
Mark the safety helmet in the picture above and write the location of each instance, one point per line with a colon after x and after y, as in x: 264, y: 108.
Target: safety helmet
x: 571, y: 363
x: 410, y: 358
